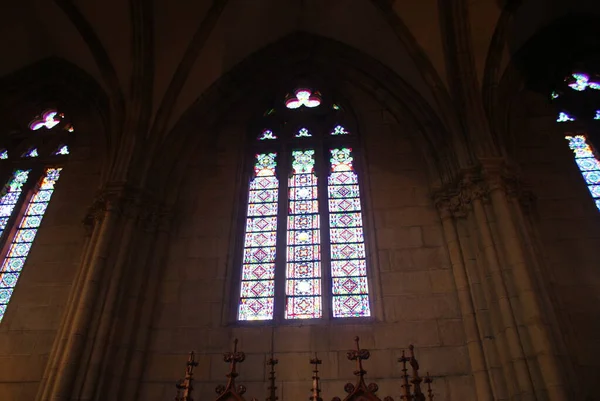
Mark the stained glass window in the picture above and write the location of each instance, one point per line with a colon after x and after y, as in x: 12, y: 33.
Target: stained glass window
x: 287, y: 271
x: 25, y: 197
x: 303, y: 268
x: 258, y: 265
x: 348, y: 256
x: 9, y: 200
x: 588, y: 164
x: 23, y: 238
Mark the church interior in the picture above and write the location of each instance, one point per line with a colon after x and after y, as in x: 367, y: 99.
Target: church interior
x: 300, y: 199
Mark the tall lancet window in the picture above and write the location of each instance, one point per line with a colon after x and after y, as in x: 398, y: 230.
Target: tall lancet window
x: 303, y: 253
x: 31, y: 161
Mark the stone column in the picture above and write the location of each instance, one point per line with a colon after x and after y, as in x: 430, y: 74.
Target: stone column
x: 124, y: 221
x: 511, y: 347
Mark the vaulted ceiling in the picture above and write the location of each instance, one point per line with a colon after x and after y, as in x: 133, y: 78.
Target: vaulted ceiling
x: 413, y: 37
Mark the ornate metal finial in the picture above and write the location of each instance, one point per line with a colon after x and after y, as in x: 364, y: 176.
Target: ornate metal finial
x: 428, y: 381
x: 272, y: 387
x: 316, y: 388
x: 359, y: 355
x: 406, y: 386
x: 233, y: 358
x: 185, y: 386
x: 416, y: 380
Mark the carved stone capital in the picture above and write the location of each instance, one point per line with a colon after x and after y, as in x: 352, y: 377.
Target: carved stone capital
x: 478, y: 183
x: 127, y: 202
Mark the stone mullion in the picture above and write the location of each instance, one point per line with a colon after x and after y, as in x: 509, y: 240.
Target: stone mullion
x: 71, y: 306
x: 91, y: 285
x: 527, y: 298
x: 468, y: 311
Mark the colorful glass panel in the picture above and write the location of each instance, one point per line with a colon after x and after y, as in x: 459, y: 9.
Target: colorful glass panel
x: 266, y: 135
x: 31, y: 153
x: 48, y: 120
x: 303, y: 132
x: 564, y: 117
x: 303, y: 98
x: 588, y: 164
x: 303, y: 270
x: 4, y: 155
x: 13, y: 189
x: 339, y: 130
x: 23, y: 239
x: 62, y: 150
x: 348, y: 256
x: 258, y: 265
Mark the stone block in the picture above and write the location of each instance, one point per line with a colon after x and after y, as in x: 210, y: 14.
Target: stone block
x: 433, y: 236
x: 295, y: 366
x: 422, y: 333
x: 254, y: 339
x: 292, y: 338
x: 442, y: 281
x: 401, y: 283
x: 461, y: 387
x: 452, y: 332
x: 253, y: 368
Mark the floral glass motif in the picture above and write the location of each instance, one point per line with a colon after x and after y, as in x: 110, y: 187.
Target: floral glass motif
x: 258, y: 264
x: 303, y: 132
x: 303, y: 98
x: 266, y: 135
x: 62, y: 150
x: 564, y: 117
x: 48, y: 120
x: 339, y: 130
x: 582, y: 82
x: 348, y: 257
x: 588, y: 164
x: 23, y: 239
x: 31, y: 153
x: 303, y: 267
x: 4, y: 154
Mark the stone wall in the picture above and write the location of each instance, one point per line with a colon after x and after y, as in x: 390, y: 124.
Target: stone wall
x: 412, y: 285
x: 568, y: 226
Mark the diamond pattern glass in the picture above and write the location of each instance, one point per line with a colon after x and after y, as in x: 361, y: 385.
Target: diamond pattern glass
x: 25, y: 235
x: 588, y: 164
x: 303, y: 270
x: 258, y: 265
x: 348, y: 256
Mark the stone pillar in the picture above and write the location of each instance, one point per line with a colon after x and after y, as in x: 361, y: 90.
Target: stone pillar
x: 511, y: 347
x: 101, y: 314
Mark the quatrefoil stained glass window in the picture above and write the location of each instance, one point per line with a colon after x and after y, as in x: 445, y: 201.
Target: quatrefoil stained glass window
x: 303, y: 253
